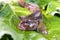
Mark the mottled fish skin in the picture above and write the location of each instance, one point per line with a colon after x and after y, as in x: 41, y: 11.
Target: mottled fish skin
x: 33, y: 21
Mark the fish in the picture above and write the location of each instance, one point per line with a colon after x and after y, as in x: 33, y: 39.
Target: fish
x: 34, y: 21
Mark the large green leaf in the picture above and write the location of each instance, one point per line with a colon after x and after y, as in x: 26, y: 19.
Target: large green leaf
x: 53, y: 25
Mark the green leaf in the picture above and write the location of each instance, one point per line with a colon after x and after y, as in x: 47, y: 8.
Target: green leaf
x: 52, y: 6
x: 43, y: 3
x: 53, y: 25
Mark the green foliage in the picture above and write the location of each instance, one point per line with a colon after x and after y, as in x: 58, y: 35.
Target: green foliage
x: 9, y: 21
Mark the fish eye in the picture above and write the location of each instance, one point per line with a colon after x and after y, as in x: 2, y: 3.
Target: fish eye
x: 26, y: 21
